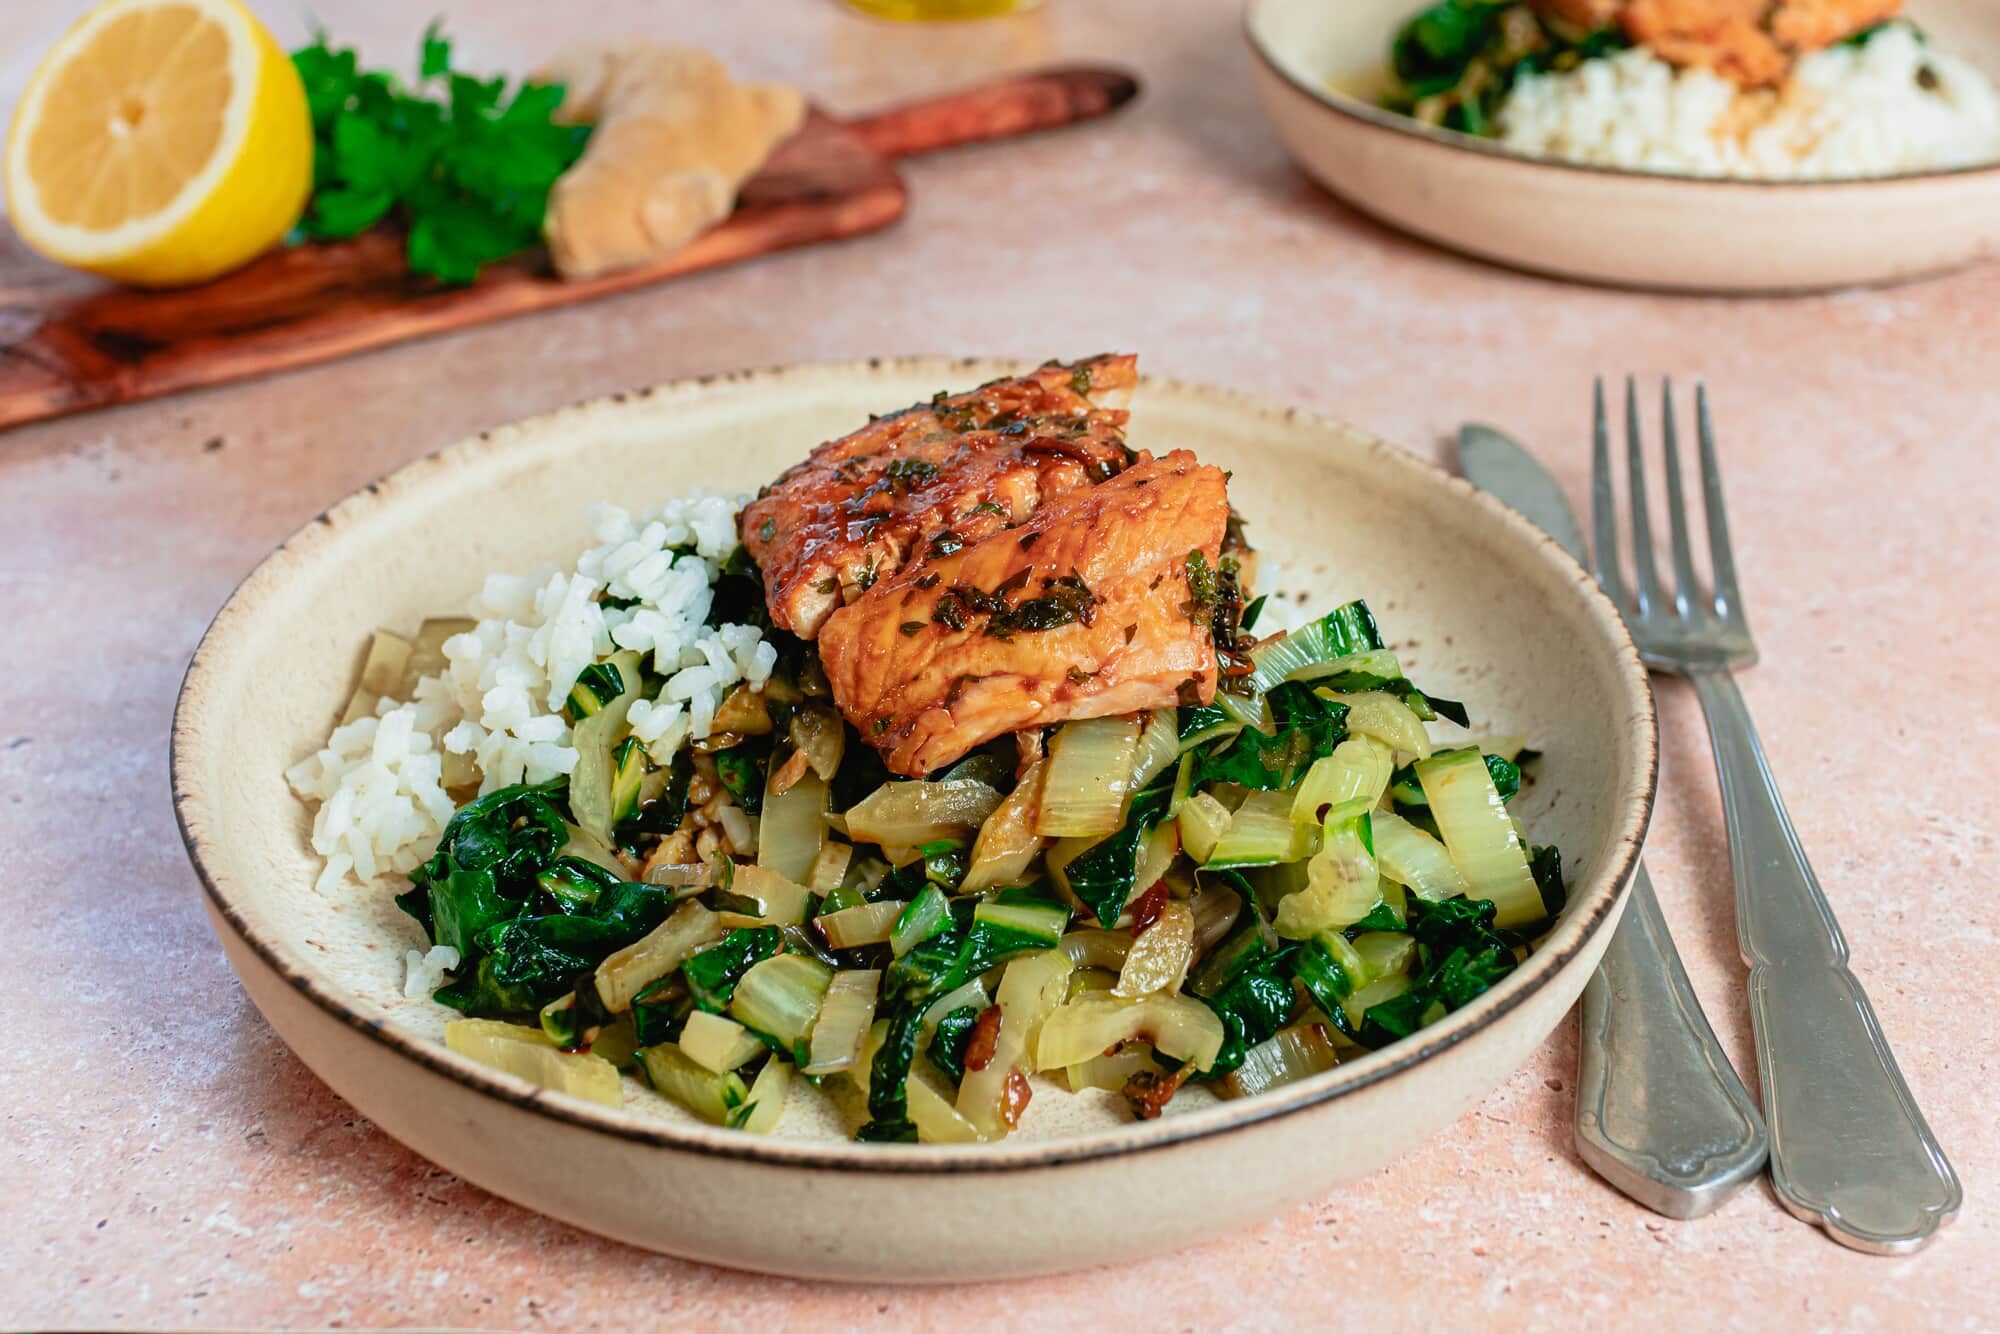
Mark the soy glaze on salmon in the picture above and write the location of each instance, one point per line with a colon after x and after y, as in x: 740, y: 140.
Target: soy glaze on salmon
x: 931, y: 479
x: 1102, y: 603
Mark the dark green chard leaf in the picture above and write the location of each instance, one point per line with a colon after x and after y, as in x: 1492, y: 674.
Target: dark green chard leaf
x: 1428, y: 707
x: 861, y: 772
x: 739, y: 600
x: 712, y: 974
x: 1307, y: 728
x: 1384, y: 916
x: 526, y: 963
x: 846, y: 896
x: 596, y: 686
x: 1199, y: 720
x: 888, y: 1103
x: 954, y: 1031
x: 1325, y: 978
x: 1437, y: 43
x: 1102, y: 875
x: 802, y: 940
x: 743, y: 775
x: 1460, y: 953
x: 664, y: 813
x: 1459, y: 958
x: 484, y: 869
x: 417, y: 903
x: 1253, y: 1007
x: 1350, y: 628
x: 1425, y: 706
x: 569, y: 1019
x: 1398, y: 1017
x: 1546, y: 865
x: 575, y: 884
x: 942, y: 863
x: 659, y: 1011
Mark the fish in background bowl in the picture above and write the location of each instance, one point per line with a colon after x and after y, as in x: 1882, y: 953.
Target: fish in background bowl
x: 1687, y: 145
x: 1806, y: 89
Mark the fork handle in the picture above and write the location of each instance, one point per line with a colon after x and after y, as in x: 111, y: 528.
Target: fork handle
x: 1849, y: 1149
x: 1660, y: 1113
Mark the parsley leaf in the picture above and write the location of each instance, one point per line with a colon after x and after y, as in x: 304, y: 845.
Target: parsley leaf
x: 462, y: 166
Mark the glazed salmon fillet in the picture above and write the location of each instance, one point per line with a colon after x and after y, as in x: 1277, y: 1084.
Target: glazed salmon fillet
x: 1750, y: 42
x: 932, y: 478
x: 1093, y: 607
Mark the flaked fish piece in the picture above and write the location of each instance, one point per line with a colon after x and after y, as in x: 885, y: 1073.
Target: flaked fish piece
x: 932, y: 479
x: 1100, y: 604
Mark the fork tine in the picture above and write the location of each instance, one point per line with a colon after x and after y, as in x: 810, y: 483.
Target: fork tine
x: 1603, y: 506
x: 1686, y: 590
x: 1728, y: 600
x: 1642, y: 523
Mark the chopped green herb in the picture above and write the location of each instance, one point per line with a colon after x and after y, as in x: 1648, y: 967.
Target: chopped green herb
x: 1202, y: 589
x: 907, y: 474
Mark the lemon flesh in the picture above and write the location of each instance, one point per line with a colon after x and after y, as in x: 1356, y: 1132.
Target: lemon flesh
x: 160, y: 143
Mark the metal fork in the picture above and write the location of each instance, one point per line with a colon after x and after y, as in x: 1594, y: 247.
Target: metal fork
x: 1849, y: 1149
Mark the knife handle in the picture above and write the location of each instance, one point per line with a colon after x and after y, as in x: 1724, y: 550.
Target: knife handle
x: 1660, y: 1113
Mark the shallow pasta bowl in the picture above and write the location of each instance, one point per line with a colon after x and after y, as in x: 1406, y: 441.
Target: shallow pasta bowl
x: 1600, y: 224
x: 1479, y: 602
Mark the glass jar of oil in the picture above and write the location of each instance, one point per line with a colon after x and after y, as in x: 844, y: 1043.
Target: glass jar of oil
x: 918, y: 10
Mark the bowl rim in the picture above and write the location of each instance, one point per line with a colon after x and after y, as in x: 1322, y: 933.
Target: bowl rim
x: 1354, y: 109
x: 1575, y: 929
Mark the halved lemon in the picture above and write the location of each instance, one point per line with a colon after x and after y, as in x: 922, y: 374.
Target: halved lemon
x: 160, y: 142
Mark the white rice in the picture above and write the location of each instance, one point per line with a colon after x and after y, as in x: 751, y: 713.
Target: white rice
x: 425, y: 970
x: 1848, y: 111
x: 495, y: 713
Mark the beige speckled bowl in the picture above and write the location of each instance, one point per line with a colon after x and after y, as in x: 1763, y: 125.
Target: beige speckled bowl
x: 1482, y: 606
x: 1630, y: 228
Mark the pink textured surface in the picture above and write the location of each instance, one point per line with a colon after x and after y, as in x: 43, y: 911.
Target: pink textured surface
x: 165, y: 1161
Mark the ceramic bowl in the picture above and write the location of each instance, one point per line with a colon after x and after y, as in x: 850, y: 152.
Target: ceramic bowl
x: 1600, y: 224
x: 1483, y: 607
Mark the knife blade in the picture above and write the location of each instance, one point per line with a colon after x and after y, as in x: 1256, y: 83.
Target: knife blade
x: 1660, y: 1112
x: 1504, y: 470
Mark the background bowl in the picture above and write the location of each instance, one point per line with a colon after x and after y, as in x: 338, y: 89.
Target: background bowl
x: 1483, y: 607
x: 1598, y: 223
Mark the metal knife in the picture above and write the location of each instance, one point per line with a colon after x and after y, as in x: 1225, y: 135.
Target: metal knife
x: 1660, y: 1112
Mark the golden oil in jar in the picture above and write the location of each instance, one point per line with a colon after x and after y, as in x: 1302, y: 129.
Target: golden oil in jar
x: 923, y: 10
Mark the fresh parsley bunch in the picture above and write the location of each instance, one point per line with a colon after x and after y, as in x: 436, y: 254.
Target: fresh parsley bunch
x: 465, y: 168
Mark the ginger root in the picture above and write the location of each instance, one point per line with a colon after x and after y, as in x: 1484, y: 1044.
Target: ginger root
x: 675, y: 139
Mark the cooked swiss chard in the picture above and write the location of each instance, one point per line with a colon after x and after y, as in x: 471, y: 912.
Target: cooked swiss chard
x: 1234, y: 895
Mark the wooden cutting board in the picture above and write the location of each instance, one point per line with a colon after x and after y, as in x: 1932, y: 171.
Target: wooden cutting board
x: 69, y: 344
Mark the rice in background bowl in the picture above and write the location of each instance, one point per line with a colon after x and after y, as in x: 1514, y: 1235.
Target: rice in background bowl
x: 1891, y: 105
